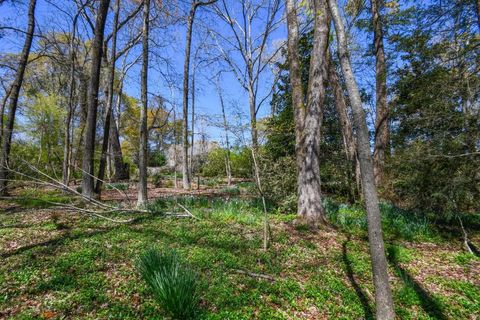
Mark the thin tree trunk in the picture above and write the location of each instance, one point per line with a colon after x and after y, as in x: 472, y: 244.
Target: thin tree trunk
x: 186, y: 73
x: 252, y: 102
x: 193, y: 121
x: 381, y: 118
x: 67, y: 150
x: 383, y: 294
x: 83, y: 104
x: 228, y: 167
x: 91, y: 123
x: 143, y: 152
x: 14, y: 95
x: 175, y: 146
x: 345, y: 123
x: 108, y: 112
x: 295, y: 77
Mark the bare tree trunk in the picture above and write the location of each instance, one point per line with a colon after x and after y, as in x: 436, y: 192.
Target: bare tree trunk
x: 83, y: 104
x: 175, y: 147
x: 309, y: 121
x: 143, y: 152
x: 345, y: 123
x: 193, y: 121
x: 14, y: 95
x: 67, y: 149
x: 186, y: 74
x: 228, y: 167
x: 383, y: 294
x: 381, y: 118
x: 108, y: 111
x: 91, y: 123
x: 252, y: 103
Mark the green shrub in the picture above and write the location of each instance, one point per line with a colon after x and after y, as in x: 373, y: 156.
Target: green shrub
x: 168, y: 184
x: 158, y: 206
x: 157, y: 179
x: 156, y: 159
x: 173, y: 283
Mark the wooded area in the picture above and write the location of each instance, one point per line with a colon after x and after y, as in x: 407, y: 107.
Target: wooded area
x: 239, y: 159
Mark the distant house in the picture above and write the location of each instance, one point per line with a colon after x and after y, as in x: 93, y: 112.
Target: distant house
x: 200, y: 153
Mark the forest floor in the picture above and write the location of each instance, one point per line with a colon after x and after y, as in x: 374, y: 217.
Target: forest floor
x: 59, y: 265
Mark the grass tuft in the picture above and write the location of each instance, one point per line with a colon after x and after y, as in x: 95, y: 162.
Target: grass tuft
x: 173, y: 283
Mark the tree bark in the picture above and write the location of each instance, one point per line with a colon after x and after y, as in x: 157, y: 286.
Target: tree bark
x: 83, y: 104
x: 345, y: 123
x: 67, y: 149
x: 228, y: 167
x: 91, y: 121
x: 383, y: 295
x: 143, y: 152
x: 186, y: 74
x: 14, y: 95
x: 108, y: 111
x: 308, y: 120
x: 381, y: 118
x: 192, y: 134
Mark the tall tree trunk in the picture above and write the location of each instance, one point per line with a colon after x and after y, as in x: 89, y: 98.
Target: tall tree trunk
x: 91, y: 123
x: 381, y: 118
x: 14, y: 95
x: 345, y: 123
x: 175, y: 146
x: 383, y: 295
x: 67, y: 149
x: 186, y: 74
x: 252, y: 103
x: 143, y: 152
x: 192, y: 141
x: 121, y: 171
x: 108, y: 111
x: 308, y: 120
x: 83, y: 104
x: 228, y: 167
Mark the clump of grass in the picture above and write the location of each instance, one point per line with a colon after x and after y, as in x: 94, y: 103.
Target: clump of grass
x: 232, y: 191
x: 397, y: 223
x: 173, y: 283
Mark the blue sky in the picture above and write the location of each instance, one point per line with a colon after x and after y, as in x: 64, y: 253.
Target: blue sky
x: 207, y: 104
x: 50, y: 17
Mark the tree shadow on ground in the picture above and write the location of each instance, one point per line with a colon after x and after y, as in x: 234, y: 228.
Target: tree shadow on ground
x: 64, y: 237
x: 367, y: 309
x: 431, y: 306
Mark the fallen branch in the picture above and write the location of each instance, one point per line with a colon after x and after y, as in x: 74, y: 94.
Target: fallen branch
x: 188, y: 212
x: 255, y: 275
